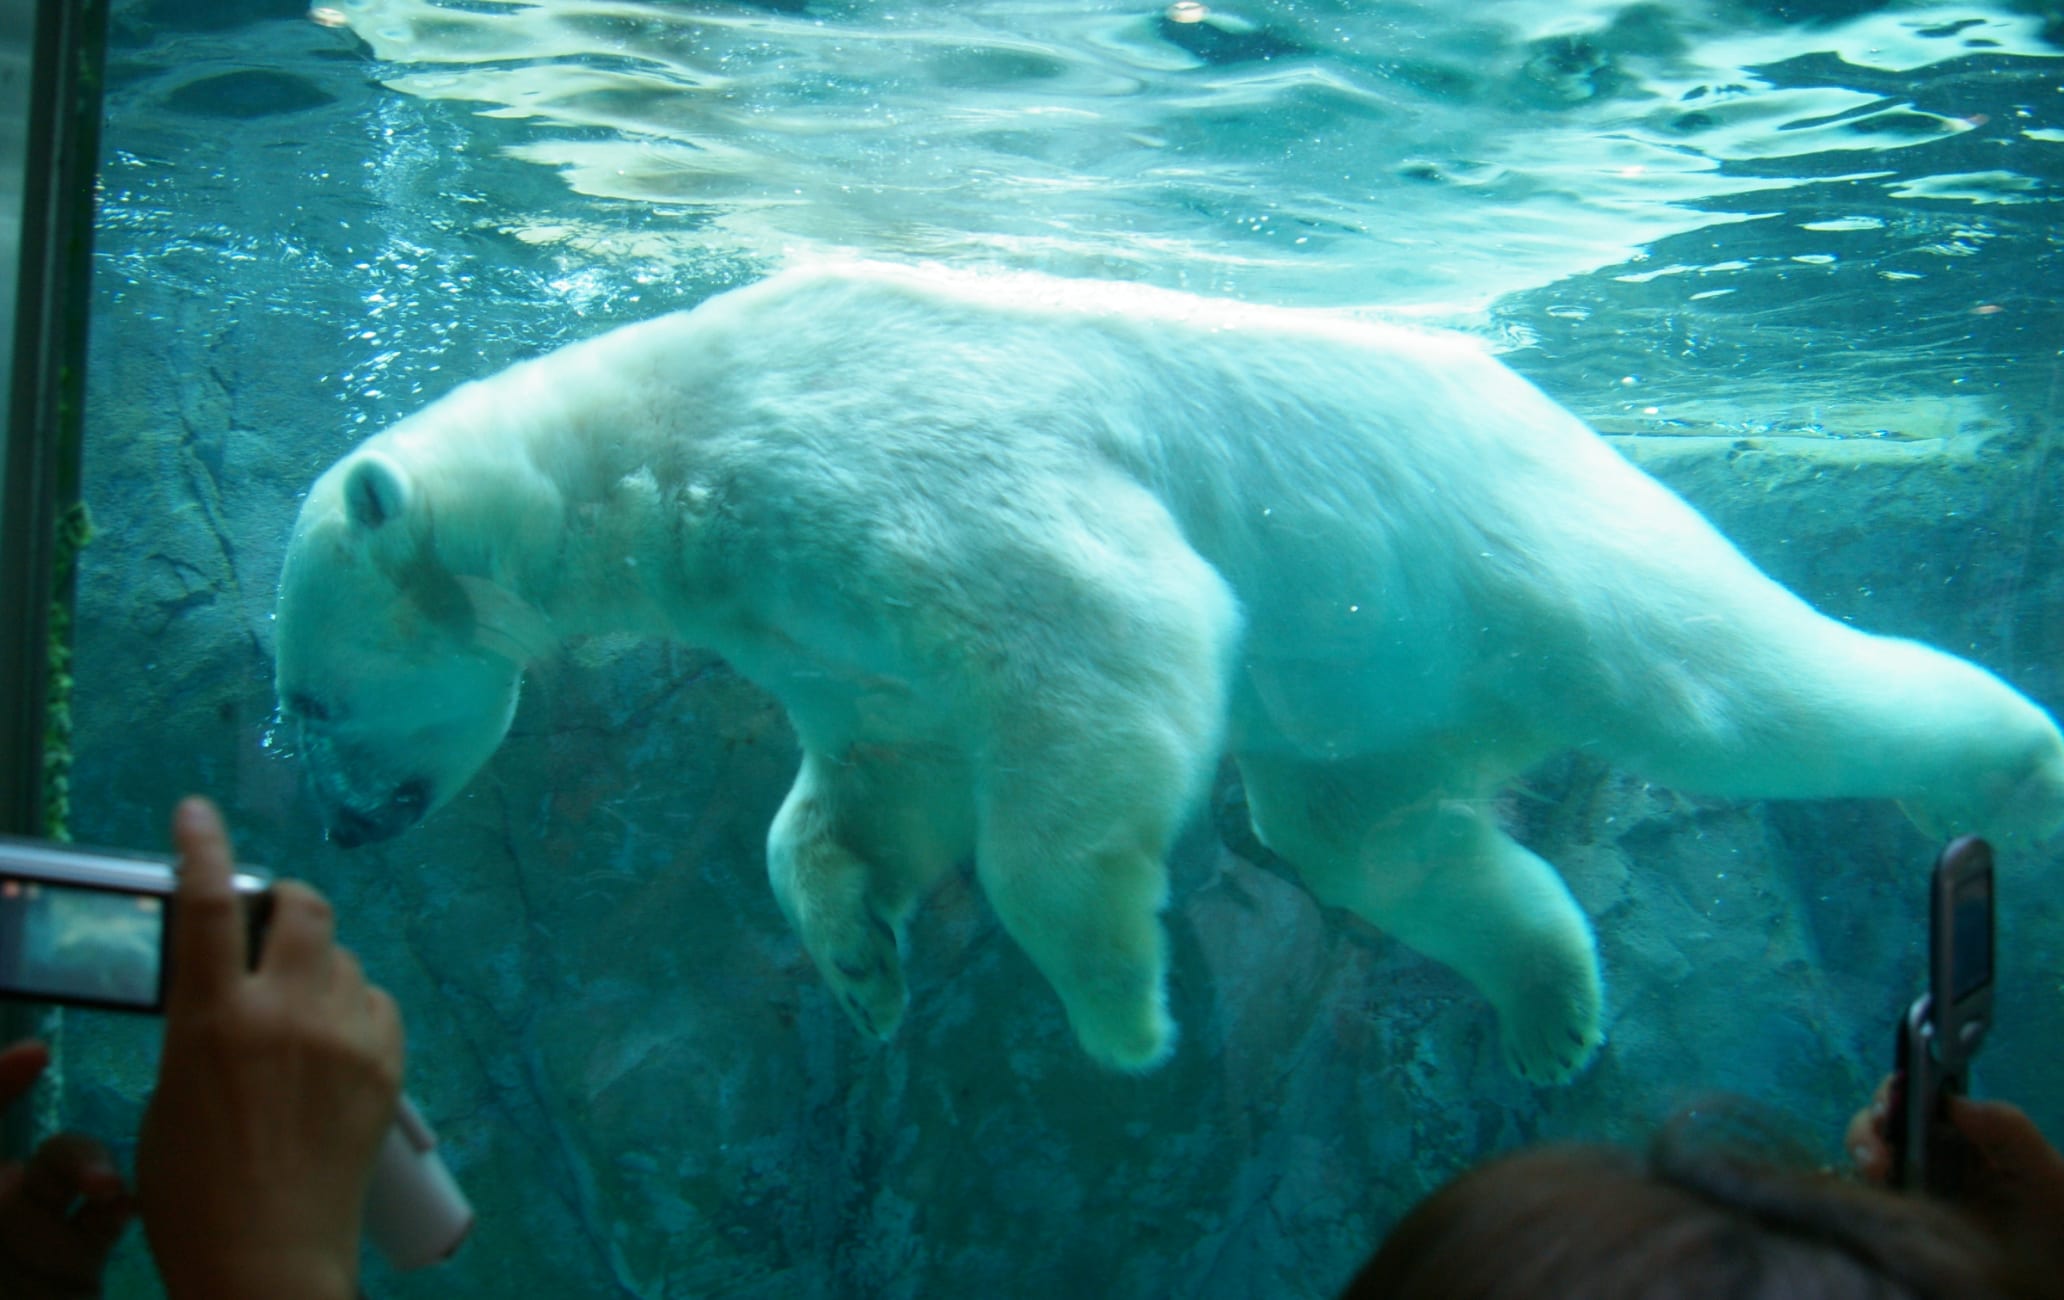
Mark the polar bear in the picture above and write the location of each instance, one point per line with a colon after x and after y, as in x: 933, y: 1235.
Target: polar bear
x: 1023, y: 556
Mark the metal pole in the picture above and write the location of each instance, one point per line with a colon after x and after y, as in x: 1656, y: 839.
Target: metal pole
x: 51, y: 59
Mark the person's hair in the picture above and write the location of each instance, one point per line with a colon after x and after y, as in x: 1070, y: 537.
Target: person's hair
x: 1691, y: 1221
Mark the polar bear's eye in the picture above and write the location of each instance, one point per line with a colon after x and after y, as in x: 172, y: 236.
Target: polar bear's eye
x: 307, y: 706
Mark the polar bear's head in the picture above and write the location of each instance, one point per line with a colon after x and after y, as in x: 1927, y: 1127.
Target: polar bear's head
x: 391, y: 692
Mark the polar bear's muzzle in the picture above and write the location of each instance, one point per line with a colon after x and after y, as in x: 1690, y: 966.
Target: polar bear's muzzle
x: 351, y: 825
x: 357, y: 806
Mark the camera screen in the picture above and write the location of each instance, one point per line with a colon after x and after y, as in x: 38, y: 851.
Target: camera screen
x: 1971, y: 930
x: 70, y: 942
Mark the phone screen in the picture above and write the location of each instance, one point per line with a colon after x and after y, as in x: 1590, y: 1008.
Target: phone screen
x: 1971, y: 929
x: 67, y: 942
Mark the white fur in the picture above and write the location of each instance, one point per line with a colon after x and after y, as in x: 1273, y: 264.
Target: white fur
x: 1022, y: 556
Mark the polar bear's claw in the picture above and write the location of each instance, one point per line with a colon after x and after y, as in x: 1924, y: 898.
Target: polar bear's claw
x: 862, y: 1018
x: 1552, y: 1034
x: 865, y: 973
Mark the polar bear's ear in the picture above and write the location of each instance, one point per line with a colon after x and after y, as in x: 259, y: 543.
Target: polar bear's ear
x: 376, y: 491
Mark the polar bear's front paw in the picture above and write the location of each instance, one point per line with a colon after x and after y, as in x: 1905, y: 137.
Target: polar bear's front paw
x: 1550, y: 1029
x: 861, y: 962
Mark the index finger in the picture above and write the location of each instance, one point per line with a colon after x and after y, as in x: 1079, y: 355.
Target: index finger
x: 207, y: 920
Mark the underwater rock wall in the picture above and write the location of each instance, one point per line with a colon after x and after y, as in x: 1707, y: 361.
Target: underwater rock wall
x: 646, y: 1091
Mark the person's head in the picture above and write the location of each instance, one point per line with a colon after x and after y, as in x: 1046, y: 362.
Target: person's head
x: 1685, y: 1223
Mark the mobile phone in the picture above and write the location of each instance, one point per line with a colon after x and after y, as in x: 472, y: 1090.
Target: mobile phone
x: 1943, y: 1029
x: 86, y: 927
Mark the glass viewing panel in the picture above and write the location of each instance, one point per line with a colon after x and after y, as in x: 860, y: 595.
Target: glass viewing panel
x: 1795, y: 261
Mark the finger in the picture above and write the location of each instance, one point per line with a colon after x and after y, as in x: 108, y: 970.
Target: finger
x: 2000, y: 1130
x: 21, y: 1064
x: 1881, y: 1102
x: 390, y: 1039
x: 346, y: 974
x: 67, y: 1168
x: 300, y: 942
x: 1868, y: 1150
x: 65, y: 1252
x: 375, y: 1019
x: 100, y: 1224
x: 207, y: 921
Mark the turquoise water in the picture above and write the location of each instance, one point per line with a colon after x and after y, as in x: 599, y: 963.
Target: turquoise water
x: 1798, y: 259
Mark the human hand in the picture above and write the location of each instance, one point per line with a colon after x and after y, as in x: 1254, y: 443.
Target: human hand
x: 63, y: 1210
x: 275, y: 1090
x: 2011, y: 1179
